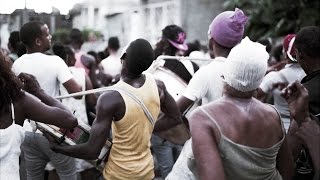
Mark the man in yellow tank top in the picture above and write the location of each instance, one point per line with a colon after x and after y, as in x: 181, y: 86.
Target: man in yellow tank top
x: 130, y: 156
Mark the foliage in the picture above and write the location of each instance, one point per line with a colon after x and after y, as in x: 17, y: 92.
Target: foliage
x: 62, y: 35
x: 90, y: 34
x: 274, y: 18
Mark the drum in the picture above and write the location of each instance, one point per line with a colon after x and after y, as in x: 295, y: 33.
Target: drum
x: 174, y: 84
x: 78, y: 135
x: 176, y: 87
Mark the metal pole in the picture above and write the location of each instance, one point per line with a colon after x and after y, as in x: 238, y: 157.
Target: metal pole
x: 184, y: 58
x: 103, y: 89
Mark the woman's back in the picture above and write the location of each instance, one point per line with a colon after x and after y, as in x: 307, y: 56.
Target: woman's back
x: 249, y: 135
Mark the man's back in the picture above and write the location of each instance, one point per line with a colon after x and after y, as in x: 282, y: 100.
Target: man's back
x: 207, y: 83
x: 130, y: 156
x: 49, y: 70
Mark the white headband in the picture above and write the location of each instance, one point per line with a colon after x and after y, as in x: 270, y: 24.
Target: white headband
x: 289, y: 50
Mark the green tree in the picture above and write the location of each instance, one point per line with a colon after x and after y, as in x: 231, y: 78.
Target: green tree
x: 61, y: 35
x: 274, y: 18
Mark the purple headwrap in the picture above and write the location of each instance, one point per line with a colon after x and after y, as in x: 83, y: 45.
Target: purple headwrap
x: 227, y: 28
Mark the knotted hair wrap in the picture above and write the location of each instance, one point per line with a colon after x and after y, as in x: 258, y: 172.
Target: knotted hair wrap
x: 227, y: 28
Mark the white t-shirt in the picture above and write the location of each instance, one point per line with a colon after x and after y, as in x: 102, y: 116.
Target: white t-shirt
x: 290, y: 73
x: 50, y: 70
x: 112, y: 65
x: 207, y: 83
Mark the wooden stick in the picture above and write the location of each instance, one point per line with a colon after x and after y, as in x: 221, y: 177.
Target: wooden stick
x: 183, y: 58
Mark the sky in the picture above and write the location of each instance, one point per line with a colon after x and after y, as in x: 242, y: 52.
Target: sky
x: 8, y: 6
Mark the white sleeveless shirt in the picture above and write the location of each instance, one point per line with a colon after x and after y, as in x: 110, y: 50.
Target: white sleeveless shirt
x: 11, y: 139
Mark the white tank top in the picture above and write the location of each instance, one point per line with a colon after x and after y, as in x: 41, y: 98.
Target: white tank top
x: 11, y: 139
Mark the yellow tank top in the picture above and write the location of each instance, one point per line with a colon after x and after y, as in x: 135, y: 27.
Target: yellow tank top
x: 130, y: 156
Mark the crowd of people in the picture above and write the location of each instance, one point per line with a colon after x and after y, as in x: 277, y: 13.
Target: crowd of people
x: 243, y: 115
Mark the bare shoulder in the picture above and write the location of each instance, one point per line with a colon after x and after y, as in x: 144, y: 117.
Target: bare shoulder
x: 111, y: 103
x: 269, y: 114
x: 267, y: 109
x: 110, y: 98
x: 202, y: 115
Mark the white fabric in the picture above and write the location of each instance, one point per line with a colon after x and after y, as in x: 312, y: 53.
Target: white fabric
x: 206, y: 83
x: 290, y: 73
x: 246, y: 65
x: 112, y: 65
x: 49, y: 70
x: 78, y: 108
x: 199, y: 55
x: 188, y: 65
x: 183, y: 168
x: 11, y: 139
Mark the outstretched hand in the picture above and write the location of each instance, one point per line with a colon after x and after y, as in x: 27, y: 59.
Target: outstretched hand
x: 29, y: 82
x: 298, y: 100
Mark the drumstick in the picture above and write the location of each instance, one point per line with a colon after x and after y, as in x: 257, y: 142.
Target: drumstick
x: 110, y: 88
x: 91, y: 91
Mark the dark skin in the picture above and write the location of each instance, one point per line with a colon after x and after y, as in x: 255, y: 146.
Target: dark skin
x: 48, y: 110
x: 236, y: 113
x: 42, y: 44
x: 218, y: 51
x: 111, y: 107
x: 89, y: 62
x: 302, y: 130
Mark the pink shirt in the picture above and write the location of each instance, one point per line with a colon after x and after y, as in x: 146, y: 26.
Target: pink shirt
x: 79, y: 63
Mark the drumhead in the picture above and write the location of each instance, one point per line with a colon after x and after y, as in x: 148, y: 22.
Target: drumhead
x: 174, y: 84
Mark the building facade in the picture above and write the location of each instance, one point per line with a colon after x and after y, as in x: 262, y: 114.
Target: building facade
x: 131, y: 19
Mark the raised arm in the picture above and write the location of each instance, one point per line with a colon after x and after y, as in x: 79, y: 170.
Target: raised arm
x: 306, y: 129
x: 298, y: 100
